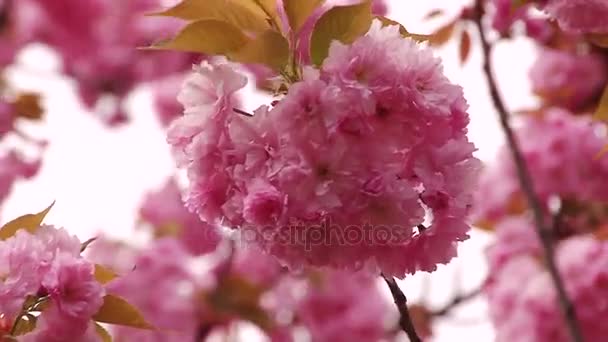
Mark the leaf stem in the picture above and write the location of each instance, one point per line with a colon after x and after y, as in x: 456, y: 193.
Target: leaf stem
x: 542, y: 229
x: 405, y: 320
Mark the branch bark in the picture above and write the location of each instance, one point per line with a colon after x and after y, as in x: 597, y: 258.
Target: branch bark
x: 405, y: 320
x: 542, y: 229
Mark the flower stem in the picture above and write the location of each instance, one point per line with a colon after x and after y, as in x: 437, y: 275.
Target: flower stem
x: 542, y: 229
x: 405, y: 320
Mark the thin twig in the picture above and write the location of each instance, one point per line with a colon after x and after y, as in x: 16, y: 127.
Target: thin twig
x: 543, y: 231
x: 405, y: 320
x: 457, y: 300
x: 242, y: 112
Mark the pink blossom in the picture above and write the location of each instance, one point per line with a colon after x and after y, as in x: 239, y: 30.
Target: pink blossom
x: 170, y: 303
x: 28, y: 258
x: 523, y: 299
x: 560, y: 150
x: 344, y: 307
x: 118, y: 256
x: 164, y: 210
x: 507, y: 12
x: 165, y: 98
x: 13, y: 167
x: 7, y: 117
x: 54, y: 327
x: 568, y: 79
x: 579, y: 16
x: 71, y: 285
x: 343, y: 152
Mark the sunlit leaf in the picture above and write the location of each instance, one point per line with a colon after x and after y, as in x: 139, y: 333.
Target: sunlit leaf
x: 116, y: 310
x: 245, y: 15
x: 209, y: 36
x: 465, y: 46
x: 443, y: 34
x: 601, y: 113
x: 341, y: 23
x: 28, y: 106
x: 25, y: 324
x: 270, y: 8
x: 103, y: 334
x: 299, y: 11
x: 404, y: 32
x: 269, y: 48
x: 103, y: 274
x: 29, y: 222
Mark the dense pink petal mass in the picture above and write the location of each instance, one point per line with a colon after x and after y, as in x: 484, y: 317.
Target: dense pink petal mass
x: 568, y: 79
x: 561, y: 153
x: 344, y: 169
x: 579, y: 16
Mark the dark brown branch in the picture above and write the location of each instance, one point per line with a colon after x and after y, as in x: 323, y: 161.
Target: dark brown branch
x: 455, y: 302
x: 242, y: 112
x: 405, y: 320
x: 543, y: 231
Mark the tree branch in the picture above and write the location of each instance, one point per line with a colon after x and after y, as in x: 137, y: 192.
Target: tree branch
x: 405, y: 320
x: 543, y: 231
x: 455, y: 302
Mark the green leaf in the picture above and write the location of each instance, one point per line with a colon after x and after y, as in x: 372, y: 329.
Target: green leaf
x: 103, y: 274
x: 601, y: 113
x: 342, y: 23
x: 299, y: 11
x: 116, y: 310
x: 208, y: 36
x: 29, y: 222
x: 245, y: 15
x: 103, y: 334
x: 269, y: 48
x: 404, y: 32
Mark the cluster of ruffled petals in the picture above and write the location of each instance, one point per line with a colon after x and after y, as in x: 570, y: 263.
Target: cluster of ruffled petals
x: 568, y: 79
x: 47, y: 265
x: 98, y: 41
x: 561, y: 152
x: 164, y: 210
x: 579, y: 16
x: 522, y: 300
x: 356, y: 155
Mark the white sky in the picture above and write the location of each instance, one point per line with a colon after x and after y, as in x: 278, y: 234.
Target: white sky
x: 97, y: 176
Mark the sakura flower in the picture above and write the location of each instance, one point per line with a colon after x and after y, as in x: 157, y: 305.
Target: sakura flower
x: 579, y: 16
x: 165, y: 211
x: 560, y: 151
x: 568, y: 79
x: 362, y: 146
x: 523, y: 297
x: 12, y: 168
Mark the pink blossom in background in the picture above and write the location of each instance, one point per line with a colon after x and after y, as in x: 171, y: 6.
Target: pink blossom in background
x: 579, y: 16
x: 561, y: 152
x: 98, y: 41
x: 14, y: 167
x: 7, y: 117
x: 523, y: 301
x: 568, y: 79
x: 164, y: 210
x: 165, y: 98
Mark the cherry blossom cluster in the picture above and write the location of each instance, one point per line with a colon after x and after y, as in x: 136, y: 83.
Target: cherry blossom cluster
x: 358, y: 143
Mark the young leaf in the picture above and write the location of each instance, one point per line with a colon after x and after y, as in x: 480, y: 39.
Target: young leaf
x: 601, y: 113
x: 342, y: 23
x: 299, y: 11
x: 269, y: 7
x: 242, y: 14
x: 465, y: 46
x: 443, y: 34
x: 208, y: 36
x: 116, y: 310
x: 29, y: 222
x: 103, y: 334
x: 600, y: 40
x: 269, y: 48
x: 25, y: 324
x: 404, y: 32
x: 28, y: 106
x: 103, y: 274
